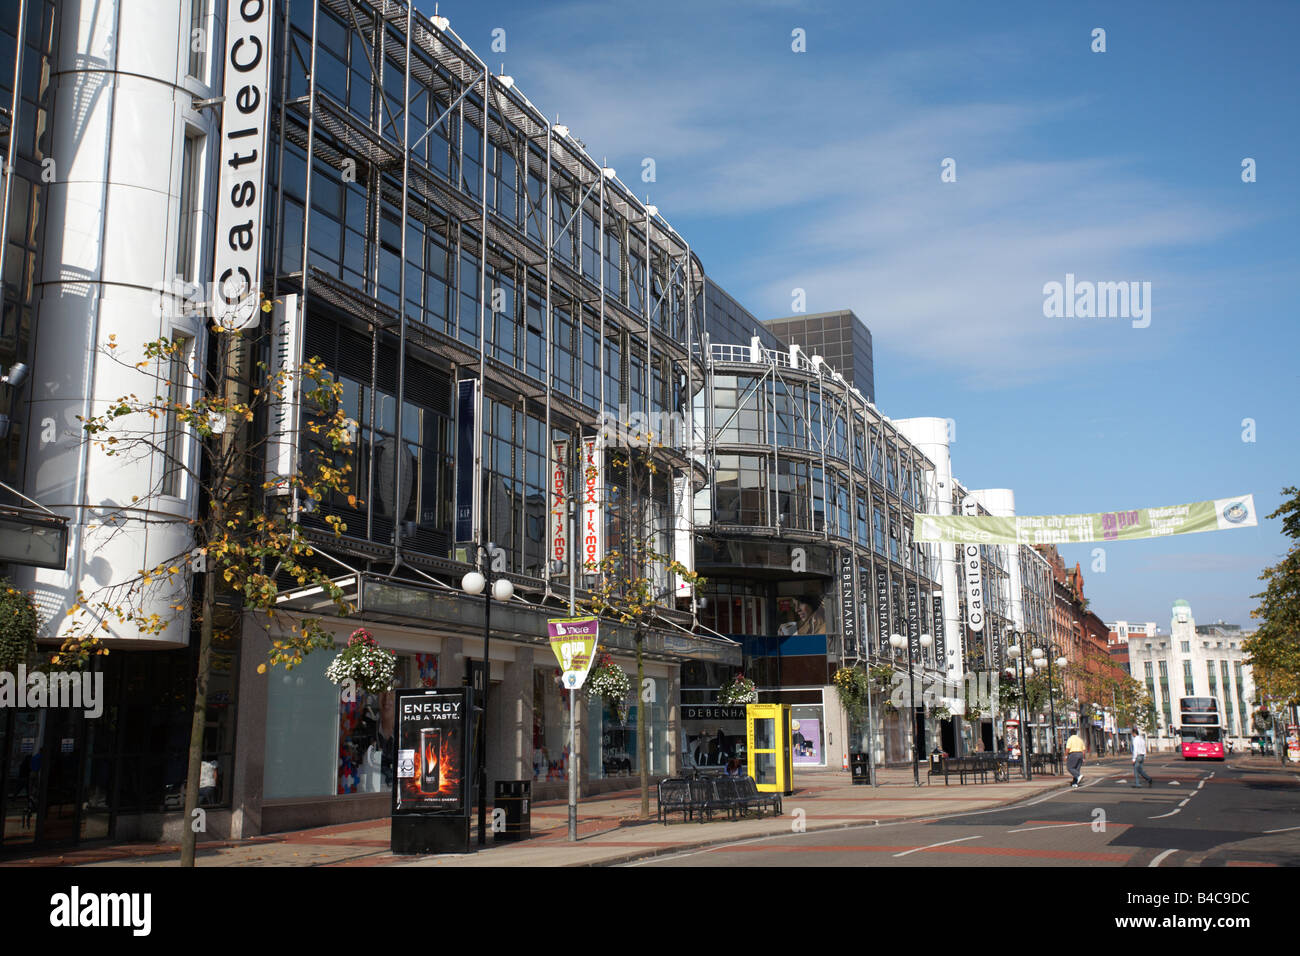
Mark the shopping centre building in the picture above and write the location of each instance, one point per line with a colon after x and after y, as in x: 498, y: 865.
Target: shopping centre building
x: 473, y: 279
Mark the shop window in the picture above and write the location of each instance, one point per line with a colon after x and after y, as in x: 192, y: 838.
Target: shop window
x: 551, y: 741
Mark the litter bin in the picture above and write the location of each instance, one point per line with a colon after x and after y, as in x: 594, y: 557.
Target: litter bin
x: 511, y: 818
x: 936, y: 762
x: 860, y: 766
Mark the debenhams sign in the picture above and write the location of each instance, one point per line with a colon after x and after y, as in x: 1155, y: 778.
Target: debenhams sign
x: 237, y: 268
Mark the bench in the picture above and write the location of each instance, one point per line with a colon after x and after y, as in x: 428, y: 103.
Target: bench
x: 702, y: 797
x: 978, y: 765
x: 1042, y: 763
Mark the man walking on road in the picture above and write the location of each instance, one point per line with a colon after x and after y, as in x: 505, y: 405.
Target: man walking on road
x: 1075, y: 748
x: 1139, y: 755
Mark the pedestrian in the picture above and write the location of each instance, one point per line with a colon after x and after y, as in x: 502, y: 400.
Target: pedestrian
x: 1075, y: 748
x: 1139, y: 755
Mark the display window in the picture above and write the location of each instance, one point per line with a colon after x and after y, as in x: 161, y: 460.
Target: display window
x: 808, y: 745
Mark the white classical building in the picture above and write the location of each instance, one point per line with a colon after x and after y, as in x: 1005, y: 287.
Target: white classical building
x: 1195, y: 661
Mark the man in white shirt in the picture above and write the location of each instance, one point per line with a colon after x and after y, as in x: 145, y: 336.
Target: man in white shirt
x: 1139, y: 755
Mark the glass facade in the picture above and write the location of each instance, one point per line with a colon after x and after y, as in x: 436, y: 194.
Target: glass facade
x: 66, y: 777
x: 612, y: 742
x: 318, y: 743
x: 24, y: 191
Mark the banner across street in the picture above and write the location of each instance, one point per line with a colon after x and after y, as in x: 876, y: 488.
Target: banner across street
x: 1221, y: 514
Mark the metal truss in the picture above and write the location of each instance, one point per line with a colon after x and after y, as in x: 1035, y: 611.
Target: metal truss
x: 428, y: 62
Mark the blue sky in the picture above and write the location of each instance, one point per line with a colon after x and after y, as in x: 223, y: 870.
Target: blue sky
x: 821, y: 171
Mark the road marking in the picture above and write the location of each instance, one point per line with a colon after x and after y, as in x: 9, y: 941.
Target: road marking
x: 1183, y: 802
x: 933, y: 845
x: 1283, y: 830
x: 1199, y: 785
x: 1169, y: 814
x: 1050, y: 826
x: 1156, y: 861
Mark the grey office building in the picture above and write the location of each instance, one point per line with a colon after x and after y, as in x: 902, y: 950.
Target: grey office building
x: 840, y: 337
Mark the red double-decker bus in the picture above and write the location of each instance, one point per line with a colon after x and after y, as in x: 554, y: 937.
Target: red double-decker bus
x: 1199, y: 728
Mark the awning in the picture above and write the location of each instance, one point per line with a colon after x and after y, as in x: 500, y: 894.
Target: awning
x: 384, y: 599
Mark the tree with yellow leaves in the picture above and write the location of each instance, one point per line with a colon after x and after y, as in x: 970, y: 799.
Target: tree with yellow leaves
x: 245, y: 537
x: 633, y: 580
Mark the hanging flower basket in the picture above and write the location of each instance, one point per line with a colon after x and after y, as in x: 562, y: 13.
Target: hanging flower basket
x: 940, y: 713
x: 611, y: 684
x: 365, y: 663
x: 881, y: 677
x: 739, y: 691
x: 853, y: 687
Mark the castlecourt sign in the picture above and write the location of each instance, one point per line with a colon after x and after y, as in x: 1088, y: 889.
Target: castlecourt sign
x: 1221, y: 514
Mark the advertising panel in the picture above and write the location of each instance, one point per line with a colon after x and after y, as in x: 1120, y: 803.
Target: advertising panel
x: 882, y: 609
x: 591, y: 534
x: 573, y: 641
x: 559, y: 488
x: 913, y: 623
x: 806, y: 741
x: 972, y: 530
x: 468, y: 404
x: 1011, y: 734
x: 848, y: 604
x: 434, y: 731
x: 237, y: 259
x: 973, y: 571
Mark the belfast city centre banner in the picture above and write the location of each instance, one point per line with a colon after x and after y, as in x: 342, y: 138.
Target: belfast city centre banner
x: 573, y: 640
x: 1222, y: 514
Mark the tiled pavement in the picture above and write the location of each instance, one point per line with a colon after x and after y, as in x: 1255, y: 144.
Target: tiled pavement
x: 609, y: 830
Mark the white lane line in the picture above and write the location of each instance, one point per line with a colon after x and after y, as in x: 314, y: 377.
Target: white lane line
x: 1160, y: 816
x: 933, y: 845
x: 1183, y: 802
x: 1283, y: 830
x: 1199, y: 785
x: 1053, y: 826
x: 1156, y: 861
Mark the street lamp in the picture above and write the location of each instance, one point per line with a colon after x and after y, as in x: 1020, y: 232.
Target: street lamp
x: 1014, y: 653
x: 897, y: 641
x: 486, y: 583
x: 1053, y: 652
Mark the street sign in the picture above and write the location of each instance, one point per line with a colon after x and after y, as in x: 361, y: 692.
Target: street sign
x: 573, y: 641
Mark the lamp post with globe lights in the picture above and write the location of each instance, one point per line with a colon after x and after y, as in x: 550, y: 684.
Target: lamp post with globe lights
x: 1014, y: 652
x: 897, y: 642
x: 1054, y: 656
x: 474, y: 583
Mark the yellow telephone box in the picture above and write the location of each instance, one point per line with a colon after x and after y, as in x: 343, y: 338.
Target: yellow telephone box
x: 767, y: 733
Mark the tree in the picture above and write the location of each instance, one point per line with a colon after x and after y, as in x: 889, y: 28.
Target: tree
x: 246, y: 535
x: 633, y: 578
x: 1274, y: 649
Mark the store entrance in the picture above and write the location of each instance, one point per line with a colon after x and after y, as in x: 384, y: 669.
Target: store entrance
x: 39, y: 777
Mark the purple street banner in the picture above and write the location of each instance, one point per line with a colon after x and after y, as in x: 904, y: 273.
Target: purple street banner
x: 573, y: 641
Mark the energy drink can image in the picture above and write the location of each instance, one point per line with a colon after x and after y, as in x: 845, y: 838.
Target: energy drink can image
x: 430, y: 759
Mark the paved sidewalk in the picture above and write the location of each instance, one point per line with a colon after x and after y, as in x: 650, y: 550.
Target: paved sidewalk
x: 609, y: 830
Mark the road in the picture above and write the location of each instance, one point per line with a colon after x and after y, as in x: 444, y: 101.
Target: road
x: 1195, y: 814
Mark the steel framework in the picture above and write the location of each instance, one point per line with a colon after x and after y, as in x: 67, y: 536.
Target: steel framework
x: 413, y: 60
